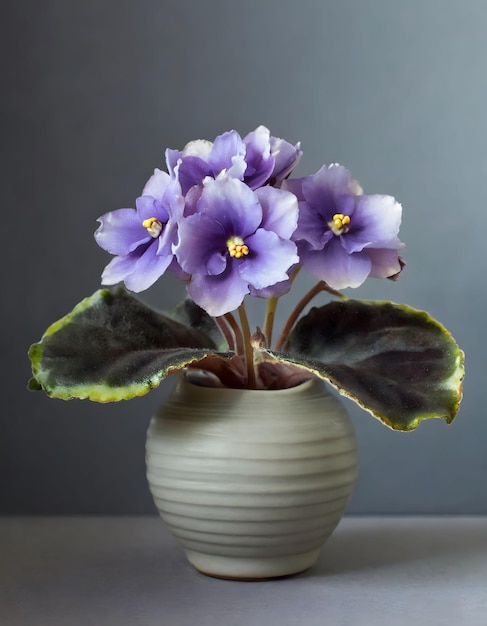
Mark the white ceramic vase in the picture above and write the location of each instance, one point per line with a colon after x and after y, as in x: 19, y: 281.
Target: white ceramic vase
x: 251, y: 483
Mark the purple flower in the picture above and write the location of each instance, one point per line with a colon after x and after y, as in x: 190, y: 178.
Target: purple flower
x: 286, y: 157
x: 142, y: 238
x: 343, y: 236
x: 238, y: 240
x: 256, y: 159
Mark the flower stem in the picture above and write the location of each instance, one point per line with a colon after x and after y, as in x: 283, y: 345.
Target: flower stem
x: 226, y: 332
x: 306, y: 299
x: 269, y: 319
x: 249, y: 351
x: 271, y: 310
x: 239, y: 341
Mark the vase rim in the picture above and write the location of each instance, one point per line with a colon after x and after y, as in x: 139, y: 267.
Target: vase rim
x: 305, y: 385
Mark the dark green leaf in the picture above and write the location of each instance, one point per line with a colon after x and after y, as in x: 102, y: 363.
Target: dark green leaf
x: 113, y: 347
x: 190, y: 314
x: 398, y: 363
x: 33, y: 385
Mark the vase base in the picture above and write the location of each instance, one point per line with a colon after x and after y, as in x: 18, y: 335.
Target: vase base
x: 251, y: 569
x: 245, y: 579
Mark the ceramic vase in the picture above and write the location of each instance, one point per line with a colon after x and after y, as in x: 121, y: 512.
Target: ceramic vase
x: 251, y: 483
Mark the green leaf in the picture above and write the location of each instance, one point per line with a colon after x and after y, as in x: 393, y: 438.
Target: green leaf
x: 33, y: 385
x: 112, y: 347
x: 396, y: 362
x: 190, y: 314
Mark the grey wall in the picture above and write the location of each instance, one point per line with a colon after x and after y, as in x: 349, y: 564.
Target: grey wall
x: 94, y: 91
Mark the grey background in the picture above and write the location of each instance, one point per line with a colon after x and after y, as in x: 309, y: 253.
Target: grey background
x: 94, y: 91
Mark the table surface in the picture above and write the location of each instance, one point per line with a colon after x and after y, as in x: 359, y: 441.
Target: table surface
x: 105, y: 571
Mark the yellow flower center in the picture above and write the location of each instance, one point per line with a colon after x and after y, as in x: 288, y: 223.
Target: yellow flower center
x: 237, y: 248
x: 153, y: 225
x: 339, y: 224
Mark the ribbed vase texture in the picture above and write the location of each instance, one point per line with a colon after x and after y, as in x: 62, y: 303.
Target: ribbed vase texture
x: 251, y: 483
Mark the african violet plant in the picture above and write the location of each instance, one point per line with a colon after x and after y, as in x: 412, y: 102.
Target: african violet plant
x: 227, y: 219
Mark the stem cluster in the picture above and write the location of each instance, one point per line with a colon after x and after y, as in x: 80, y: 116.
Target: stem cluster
x: 239, y: 336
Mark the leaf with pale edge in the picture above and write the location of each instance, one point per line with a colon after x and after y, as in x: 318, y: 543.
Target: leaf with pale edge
x: 113, y: 347
x: 396, y: 362
x: 190, y: 314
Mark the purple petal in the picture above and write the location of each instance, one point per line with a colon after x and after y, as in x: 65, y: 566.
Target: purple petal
x: 147, y: 207
x: 148, y: 267
x: 258, y: 157
x: 295, y: 186
x: 218, y: 295
x: 279, y: 211
x: 385, y: 262
x: 391, y: 244
x: 118, y: 269
x: 121, y: 231
x: 232, y: 205
x: 157, y: 184
x: 269, y: 259
x: 216, y: 264
x: 323, y: 188
x: 286, y: 157
x: 191, y: 200
x: 138, y: 270
x: 173, y: 200
x: 375, y: 219
x: 167, y: 238
x: 200, y: 237
x: 336, y: 267
x: 312, y: 227
x: 191, y: 171
x: 346, y: 203
x: 167, y: 192
x: 237, y: 169
x: 273, y: 291
x: 225, y: 148
x: 172, y: 158
x: 177, y: 270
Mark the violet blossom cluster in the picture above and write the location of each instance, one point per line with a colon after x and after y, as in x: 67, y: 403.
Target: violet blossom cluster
x: 228, y: 220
